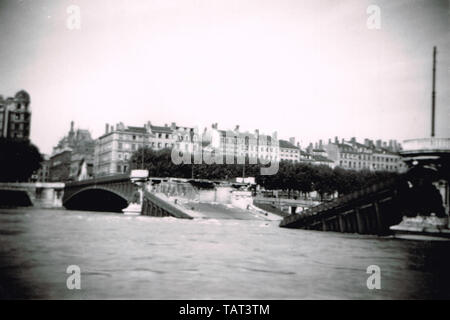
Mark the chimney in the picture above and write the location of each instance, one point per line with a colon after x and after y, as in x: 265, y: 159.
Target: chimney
x: 353, y: 140
x: 292, y: 140
x: 236, y: 128
x: 173, y: 125
x: 71, y: 125
x: 378, y: 143
x: 275, y: 135
x: 343, y: 140
x: 366, y: 142
x: 336, y: 140
x: 320, y: 144
x: 391, y: 144
x: 329, y: 141
x: 298, y: 145
x: 257, y: 132
x: 106, y: 128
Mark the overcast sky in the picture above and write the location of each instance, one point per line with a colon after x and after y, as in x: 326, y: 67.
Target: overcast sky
x: 309, y: 69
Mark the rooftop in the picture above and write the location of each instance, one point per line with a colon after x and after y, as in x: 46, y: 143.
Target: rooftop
x: 287, y: 145
x: 160, y: 129
x: 136, y: 129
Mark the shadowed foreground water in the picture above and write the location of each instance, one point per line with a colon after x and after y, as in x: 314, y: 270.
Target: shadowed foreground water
x: 167, y: 258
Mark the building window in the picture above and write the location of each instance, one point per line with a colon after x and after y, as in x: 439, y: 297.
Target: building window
x: 120, y: 146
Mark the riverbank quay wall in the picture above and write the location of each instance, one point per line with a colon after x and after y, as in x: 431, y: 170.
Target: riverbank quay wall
x: 152, y: 205
x: 36, y: 194
x: 369, y: 211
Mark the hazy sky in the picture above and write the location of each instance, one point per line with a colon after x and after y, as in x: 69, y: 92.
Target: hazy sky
x: 309, y: 69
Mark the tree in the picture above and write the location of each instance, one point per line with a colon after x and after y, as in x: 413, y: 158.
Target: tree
x: 18, y: 160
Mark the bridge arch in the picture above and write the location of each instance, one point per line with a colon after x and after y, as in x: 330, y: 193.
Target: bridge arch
x: 15, y: 198
x: 96, y: 198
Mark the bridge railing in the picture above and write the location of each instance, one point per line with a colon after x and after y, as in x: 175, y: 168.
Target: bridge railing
x: 99, y: 180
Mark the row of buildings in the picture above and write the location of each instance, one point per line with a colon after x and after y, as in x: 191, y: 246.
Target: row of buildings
x: 77, y: 156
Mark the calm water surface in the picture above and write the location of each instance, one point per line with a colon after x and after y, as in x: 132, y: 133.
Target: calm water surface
x: 167, y: 258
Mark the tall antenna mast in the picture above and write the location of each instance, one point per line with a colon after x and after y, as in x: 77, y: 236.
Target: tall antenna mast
x: 433, y: 94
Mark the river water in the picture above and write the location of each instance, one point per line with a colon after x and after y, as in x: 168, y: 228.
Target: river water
x: 165, y: 258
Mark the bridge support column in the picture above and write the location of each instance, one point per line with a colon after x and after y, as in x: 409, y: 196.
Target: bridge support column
x: 138, y: 177
x: 342, y: 224
x: 378, y: 217
x: 360, y: 221
x: 324, y: 225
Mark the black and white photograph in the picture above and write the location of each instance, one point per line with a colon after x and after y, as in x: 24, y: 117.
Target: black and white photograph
x: 200, y: 151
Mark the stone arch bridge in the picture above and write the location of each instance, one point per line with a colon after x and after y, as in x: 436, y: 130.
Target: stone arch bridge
x: 111, y: 193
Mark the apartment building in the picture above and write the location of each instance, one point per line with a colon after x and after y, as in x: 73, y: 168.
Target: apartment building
x: 368, y: 156
x: 113, y: 150
x: 289, y: 151
x: 237, y: 143
x: 15, y: 116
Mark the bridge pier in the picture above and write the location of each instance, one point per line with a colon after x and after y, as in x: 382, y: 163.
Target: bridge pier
x: 360, y: 221
x: 341, y: 224
x: 137, y: 177
x: 40, y: 194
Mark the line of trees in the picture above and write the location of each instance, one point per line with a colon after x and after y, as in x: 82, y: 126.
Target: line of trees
x: 18, y: 160
x: 290, y: 177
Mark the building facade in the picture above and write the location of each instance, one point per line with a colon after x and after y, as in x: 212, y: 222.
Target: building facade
x: 289, y: 151
x: 242, y: 145
x: 368, y: 156
x: 113, y: 150
x: 59, y: 165
x: 15, y: 116
x: 70, y: 153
